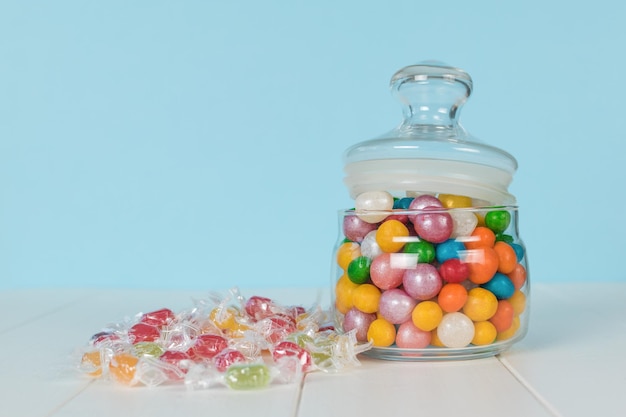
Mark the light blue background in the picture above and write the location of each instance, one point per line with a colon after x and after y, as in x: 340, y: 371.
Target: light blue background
x: 198, y: 144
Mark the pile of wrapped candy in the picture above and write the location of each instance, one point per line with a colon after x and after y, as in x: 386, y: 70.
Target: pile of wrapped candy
x: 233, y: 341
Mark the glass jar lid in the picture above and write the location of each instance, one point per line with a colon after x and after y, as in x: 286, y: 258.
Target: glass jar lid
x: 430, y: 152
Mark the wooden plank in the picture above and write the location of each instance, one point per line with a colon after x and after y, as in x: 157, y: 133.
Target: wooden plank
x: 573, y: 355
x: 21, y: 306
x: 381, y: 388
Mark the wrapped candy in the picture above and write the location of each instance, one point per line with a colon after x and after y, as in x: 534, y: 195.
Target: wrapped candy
x: 233, y: 341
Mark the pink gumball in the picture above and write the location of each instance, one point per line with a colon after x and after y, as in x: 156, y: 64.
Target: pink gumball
x: 356, y: 319
x: 355, y: 229
x: 422, y: 282
x: 435, y: 227
x: 383, y: 274
x: 411, y: 337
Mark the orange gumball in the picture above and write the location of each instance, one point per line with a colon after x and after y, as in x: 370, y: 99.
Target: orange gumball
x: 503, y: 318
x: 452, y: 297
x: 506, y: 255
x: 483, y: 264
x: 518, y: 276
x: 481, y: 237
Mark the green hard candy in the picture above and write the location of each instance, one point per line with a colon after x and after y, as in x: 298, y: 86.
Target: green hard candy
x: 247, y: 376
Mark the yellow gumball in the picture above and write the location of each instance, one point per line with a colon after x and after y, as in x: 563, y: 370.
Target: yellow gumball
x: 381, y: 333
x: 484, y: 333
x: 427, y: 315
x: 347, y: 252
x: 391, y: 236
x: 343, y: 294
x: 365, y: 297
x: 481, y: 304
x: 455, y: 201
x: 518, y: 301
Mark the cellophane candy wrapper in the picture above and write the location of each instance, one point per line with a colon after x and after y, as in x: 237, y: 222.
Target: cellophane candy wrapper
x: 222, y: 340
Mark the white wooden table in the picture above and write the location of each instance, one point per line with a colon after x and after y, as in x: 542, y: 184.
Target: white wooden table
x: 572, y: 363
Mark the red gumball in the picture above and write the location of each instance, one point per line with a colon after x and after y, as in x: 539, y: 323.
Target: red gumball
x: 454, y: 270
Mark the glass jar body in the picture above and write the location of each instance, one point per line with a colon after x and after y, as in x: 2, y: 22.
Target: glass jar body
x: 431, y: 281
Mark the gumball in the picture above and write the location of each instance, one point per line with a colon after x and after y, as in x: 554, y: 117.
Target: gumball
x: 481, y: 237
x: 435, y: 227
x: 422, y: 282
x: 518, y: 276
x: 519, y: 251
x: 346, y: 253
x: 484, y: 333
x: 369, y: 246
x: 369, y: 205
x: 455, y: 201
x: 463, y: 223
x: 426, y: 315
x: 503, y: 318
x: 384, y: 274
x: 359, y: 270
x: 355, y: 228
x: 480, y: 305
x: 396, y: 306
x: 227, y: 357
x: 403, y: 203
x: 425, y: 250
x: 343, y: 294
x: 454, y: 270
x: 456, y: 330
x: 498, y: 220
x: 425, y: 200
x: 356, y: 319
x: 391, y: 235
x: 507, y: 258
x: 408, y: 336
x: 483, y: 264
x: 381, y: 333
x: 511, y: 331
x: 366, y: 298
x: 501, y: 286
x: 449, y: 249
x: 142, y: 332
x: 518, y: 301
x: 452, y: 297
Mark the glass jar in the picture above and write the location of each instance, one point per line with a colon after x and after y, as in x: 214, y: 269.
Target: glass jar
x: 429, y: 263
